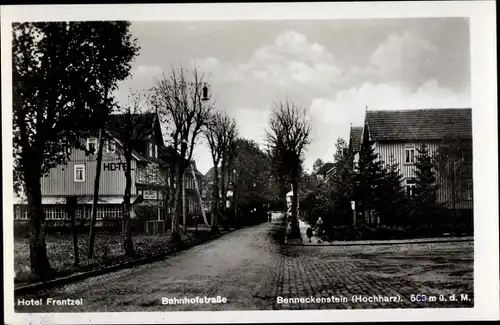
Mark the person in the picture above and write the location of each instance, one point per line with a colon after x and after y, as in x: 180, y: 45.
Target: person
x: 309, y: 233
x: 269, y: 216
x: 319, y: 226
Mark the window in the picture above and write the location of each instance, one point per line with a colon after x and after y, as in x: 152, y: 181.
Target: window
x: 150, y: 150
x: 410, y: 187
x: 156, y: 151
x: 111, y: 147
x: 109, y: 212
x: 55, y: 213
x: 79, y: 172
x: 409, y: 155
x: 92, y: 145
x: 21, y: 213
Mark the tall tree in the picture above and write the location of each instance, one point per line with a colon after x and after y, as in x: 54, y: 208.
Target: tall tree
x: 454, y: 166
x: 61, y: 74
x: 180, y: 100
x: 425, y: 190
x: 228, y: 153
x: 341, y: 182
x: 370, y: 175
x: 215, y: 130
x: 394, y: 201
x: 280, y: 175
x: 120, y: 54
x: 251, y: 170
x: 132, y: 130
x: 288, y: 135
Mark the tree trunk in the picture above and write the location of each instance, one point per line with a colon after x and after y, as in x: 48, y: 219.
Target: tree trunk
x: 215, y: 206
x: 71, y: 203
x: 235, y: 200
x: 295, y: 231
x: 224, y: 195
x: 128, y: 245
x: 175, y: 207
x: 96, y: 195
x: 282, y: 190
x: 183, y: 201
x: 170, y: 202
x: 39, y: 261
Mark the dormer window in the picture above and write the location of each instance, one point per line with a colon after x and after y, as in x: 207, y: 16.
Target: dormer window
x: 92, y: 145
x: 111, y: 147
x: 150, y: 150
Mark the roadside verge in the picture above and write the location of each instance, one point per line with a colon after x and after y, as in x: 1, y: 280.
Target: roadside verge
x: 115, y: 267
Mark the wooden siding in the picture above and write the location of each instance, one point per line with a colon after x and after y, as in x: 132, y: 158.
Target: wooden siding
x: 60, y: 180
x: 397, y: 150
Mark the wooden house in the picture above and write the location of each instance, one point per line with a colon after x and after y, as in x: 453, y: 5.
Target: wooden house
x: 397, y: 136
x: 76, y: 178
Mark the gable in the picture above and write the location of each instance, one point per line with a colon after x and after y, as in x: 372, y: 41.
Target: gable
x: 355, y: 138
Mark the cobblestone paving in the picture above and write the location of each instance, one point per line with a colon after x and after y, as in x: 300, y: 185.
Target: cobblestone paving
x: 252, y: 268
x: 428, y: 276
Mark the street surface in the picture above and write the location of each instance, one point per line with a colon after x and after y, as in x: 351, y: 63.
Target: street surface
x: 250, y: 267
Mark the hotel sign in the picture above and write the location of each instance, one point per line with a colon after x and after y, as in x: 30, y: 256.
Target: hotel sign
x: 152, y: 195
x: 115, y: 167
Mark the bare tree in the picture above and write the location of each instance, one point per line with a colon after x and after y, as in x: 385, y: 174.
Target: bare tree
x: 288, y: 135
x: 179, y: 99
x: 220, y: 133
x: 214, y: 133
x: 131, y: 133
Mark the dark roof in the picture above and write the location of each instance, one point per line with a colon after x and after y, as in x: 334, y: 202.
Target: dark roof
x: 144, y: 128
x: 210, y: 174
x: 167, y: 153
x: 325, y: 168
x: 144, y: 122
x: 355, y: 138
x: 422, y: 124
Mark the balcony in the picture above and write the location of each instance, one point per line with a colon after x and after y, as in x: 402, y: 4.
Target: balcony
x: 149, y: 175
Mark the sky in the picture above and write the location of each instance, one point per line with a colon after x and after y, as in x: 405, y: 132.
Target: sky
x: 335, y: 69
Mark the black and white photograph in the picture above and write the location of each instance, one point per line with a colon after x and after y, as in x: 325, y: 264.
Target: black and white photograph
x: 250, y: 158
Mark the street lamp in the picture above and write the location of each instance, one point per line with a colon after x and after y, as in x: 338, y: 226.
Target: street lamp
x: 205, y: 92
x: 353, y: 207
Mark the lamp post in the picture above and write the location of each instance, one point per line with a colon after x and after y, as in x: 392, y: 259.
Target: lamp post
x: 183, y: 149
x: 234, y: 197
x: 353, y: 207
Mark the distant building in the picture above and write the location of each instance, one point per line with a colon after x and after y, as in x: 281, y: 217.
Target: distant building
x: 323, y: 172
x: 355, y: 142
x: 208, y: 187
